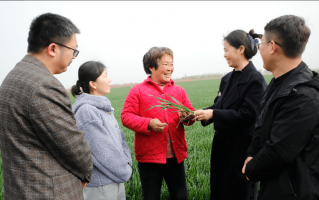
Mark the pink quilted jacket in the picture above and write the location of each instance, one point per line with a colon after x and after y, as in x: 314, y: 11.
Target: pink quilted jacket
x: 151, y: 147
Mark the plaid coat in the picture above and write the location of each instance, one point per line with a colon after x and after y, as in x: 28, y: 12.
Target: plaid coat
x: 44, y: 155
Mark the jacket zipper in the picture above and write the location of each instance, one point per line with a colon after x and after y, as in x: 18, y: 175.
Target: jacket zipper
x: 292, y: 183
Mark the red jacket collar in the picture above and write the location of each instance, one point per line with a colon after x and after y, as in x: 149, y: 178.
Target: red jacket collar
x: 170, y: 83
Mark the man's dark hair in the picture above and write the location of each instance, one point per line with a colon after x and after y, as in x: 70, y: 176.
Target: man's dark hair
x: 151, y: 58
x: 291, y: 32
x: 48, y: 28
x: 238, y: 38
x: 88, y: 71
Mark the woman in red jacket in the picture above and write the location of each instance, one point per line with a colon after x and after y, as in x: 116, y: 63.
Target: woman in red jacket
x: 160, y: 146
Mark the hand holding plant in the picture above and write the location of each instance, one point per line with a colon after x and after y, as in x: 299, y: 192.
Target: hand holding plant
x: 185, y: 113
x: 186, y: 116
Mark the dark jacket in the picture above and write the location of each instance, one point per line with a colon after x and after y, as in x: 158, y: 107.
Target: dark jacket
x: 286, y: 139
x: 234, y: 117
x: 44, y: 155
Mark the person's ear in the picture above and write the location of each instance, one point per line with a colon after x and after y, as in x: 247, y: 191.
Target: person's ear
x: 92, y: 85
x: 151, y: 69
x: 273, y: 47
x: 242, y: 49
x: 51, y: 49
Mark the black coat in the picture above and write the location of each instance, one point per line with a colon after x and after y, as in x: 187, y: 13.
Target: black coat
x: 234, y: 117
x: 286, y: 139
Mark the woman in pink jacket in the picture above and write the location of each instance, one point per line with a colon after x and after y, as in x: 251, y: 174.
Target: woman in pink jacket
x: 160, y: 146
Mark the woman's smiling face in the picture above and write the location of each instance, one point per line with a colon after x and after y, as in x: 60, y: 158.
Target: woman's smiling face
x: 164, y: 70
x: 232, y: 55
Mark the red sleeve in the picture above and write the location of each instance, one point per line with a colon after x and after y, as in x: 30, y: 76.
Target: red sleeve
x: 130, y: 115
x: 186, y: 101
x: 188, y: 104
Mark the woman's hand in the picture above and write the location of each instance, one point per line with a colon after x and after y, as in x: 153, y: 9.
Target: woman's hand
x: 185, y: 116
x: 204, y: 115
x: 156, y: 125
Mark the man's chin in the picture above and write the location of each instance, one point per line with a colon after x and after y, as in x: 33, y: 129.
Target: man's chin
x: 266, y: 67
x: 64, y: 70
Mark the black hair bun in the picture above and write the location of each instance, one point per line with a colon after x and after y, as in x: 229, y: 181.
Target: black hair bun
x: 254, y: 35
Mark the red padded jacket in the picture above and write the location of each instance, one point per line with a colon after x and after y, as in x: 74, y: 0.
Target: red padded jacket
x: 151, y: 147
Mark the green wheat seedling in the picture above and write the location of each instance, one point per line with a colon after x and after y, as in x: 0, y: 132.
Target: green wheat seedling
x: 164, y: 104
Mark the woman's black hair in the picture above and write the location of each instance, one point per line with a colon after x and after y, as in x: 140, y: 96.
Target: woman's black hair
x: 88, y: 71
x: 239, y: 37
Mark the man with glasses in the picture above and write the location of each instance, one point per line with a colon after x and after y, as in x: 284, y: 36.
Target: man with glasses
x: 75, y: 52
x: 284, y: 154
x: 44, y: 155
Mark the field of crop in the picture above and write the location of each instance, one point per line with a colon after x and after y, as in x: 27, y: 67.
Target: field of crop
x: 199, y: 140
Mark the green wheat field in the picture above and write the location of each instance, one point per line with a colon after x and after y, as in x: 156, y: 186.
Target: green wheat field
x: 199, y: 141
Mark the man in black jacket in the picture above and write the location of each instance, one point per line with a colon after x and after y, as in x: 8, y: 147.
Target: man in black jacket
x: 284, y: 153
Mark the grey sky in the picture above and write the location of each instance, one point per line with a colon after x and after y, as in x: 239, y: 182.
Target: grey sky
x: 120, y: 33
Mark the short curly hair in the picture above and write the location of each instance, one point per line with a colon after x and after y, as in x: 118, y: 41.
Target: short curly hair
x: 291, y: 32
x: 151, y: 58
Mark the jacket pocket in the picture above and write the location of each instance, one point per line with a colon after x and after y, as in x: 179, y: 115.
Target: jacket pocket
x: 278, y: 187
x: 143, y: 145
x: 67, y: 187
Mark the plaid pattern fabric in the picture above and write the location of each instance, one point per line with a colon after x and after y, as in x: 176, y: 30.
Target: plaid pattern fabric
x: 44, y: 155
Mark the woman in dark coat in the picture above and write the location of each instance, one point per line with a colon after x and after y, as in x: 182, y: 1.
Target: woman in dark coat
x: 234, y: 114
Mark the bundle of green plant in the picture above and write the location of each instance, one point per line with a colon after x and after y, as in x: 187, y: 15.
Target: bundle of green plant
x: 179, y: 107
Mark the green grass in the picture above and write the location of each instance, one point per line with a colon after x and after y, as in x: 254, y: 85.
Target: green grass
x: 199, y: 141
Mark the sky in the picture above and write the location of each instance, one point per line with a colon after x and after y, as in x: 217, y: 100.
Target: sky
x: 119, y: 33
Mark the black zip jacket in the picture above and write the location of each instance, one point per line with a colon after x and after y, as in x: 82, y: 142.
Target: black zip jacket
x: 285, y: 145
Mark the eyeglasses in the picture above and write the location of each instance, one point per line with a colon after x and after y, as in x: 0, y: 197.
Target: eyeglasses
x: 258, y: 44
x: 75, y: 52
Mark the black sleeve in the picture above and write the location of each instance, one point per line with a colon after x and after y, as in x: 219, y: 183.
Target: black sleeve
x: 290, y: 132
x: 255, y: 147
